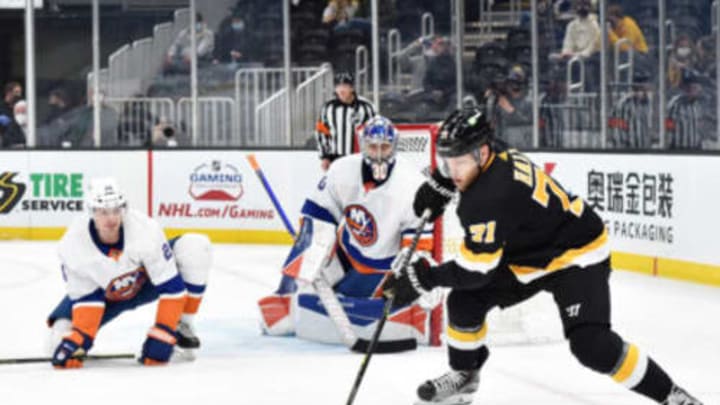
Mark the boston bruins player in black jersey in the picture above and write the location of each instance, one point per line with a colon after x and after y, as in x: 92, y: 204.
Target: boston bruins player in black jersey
x: 523, y: 233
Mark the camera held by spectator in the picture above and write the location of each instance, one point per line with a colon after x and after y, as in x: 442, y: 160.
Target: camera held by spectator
x: 164, y: 134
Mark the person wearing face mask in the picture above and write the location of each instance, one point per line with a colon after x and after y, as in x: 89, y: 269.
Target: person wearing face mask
x: 13, y: 135
x: 180, y: 52
x: 8, y: 126
x: 582, y: 36
x: 12, y: 94
x: 234, y: 41
x: 57, y: 105
x: 681, y: 58
x: 512, y: 108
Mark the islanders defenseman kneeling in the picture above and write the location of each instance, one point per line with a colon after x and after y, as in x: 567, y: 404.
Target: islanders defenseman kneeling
x: 117, y: 259
x: 353, y: 229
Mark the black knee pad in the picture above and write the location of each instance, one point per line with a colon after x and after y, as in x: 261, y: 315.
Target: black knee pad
x: 596, y: 347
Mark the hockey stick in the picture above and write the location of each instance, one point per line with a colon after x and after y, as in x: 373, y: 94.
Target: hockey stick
x: 327, y: 296
x: 30, y: 360
x: 263, y: 180
x: 386, y: 311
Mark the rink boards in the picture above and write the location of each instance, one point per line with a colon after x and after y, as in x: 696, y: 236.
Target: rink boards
x: 660, y: 209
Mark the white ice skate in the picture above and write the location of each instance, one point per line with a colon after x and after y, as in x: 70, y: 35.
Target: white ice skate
x: 679, y: 396
x: 187, y: 342
x: 451, y: 388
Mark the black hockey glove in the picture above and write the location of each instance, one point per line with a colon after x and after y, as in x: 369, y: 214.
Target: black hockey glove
x: 434, y: 194
x: 409, y: 284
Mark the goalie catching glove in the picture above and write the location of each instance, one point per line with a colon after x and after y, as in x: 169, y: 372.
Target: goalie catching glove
x: 409, y: 283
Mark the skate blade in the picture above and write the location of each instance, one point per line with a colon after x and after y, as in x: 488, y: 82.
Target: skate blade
x: 460, y: 399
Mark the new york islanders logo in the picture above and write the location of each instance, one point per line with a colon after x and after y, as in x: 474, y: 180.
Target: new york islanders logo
x: 361, y: 224
x: 126, y: 286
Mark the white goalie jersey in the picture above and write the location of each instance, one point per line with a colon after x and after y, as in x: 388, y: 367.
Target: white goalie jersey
x: 373, y: 222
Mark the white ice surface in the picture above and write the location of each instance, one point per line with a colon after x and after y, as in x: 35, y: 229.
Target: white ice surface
x: 677, y: 323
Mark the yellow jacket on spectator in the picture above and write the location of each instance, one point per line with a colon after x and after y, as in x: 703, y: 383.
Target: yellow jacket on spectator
x: 628, y: 28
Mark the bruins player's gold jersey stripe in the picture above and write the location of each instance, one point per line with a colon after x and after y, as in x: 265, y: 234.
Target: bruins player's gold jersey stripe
x: 632, y: 367
x: 482, y: 262
x: 465, y: 340
x: 594, y: 252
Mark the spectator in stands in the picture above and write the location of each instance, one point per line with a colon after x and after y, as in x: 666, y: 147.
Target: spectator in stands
x: 682, y: 58
x: 705, y: 61
x: 180, y: 52
x: 582, y: 36
x: 76, y: 128
x: 10, y: 133
x: 58, y: 104
x: 13, y: 133
x: 439, y: 80
x: 135, y: 125
x: 163, y: 134
x: 12, y: 94
x: 513, y: 108
x: 623, y: 26
x: 416, y: 56
x: 552, y: 105
x: 341, y: 15
x: 631, y: 120
x: 234, y: 41
x: 689, y: 114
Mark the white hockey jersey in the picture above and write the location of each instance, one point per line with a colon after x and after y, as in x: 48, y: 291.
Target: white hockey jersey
x: 146, y: 256
x: 372, y: 222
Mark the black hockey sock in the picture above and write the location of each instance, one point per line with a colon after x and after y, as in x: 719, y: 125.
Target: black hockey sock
x: 468, y: 359
x: 656, y: 384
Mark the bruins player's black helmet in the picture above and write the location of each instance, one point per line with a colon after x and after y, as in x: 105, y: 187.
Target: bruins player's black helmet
x: 463, y: 132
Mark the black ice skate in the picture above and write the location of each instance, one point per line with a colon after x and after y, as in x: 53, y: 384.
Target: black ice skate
x: 679, y: 396
x: 451, y: 388
x: 186, y: 338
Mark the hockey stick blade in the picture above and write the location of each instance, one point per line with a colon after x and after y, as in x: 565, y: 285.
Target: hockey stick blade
x: 390, y: 346
x: 31, y: 360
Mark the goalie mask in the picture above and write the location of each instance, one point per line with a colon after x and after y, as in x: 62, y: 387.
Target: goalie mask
x: 105, y: 194
x: 378, y: 143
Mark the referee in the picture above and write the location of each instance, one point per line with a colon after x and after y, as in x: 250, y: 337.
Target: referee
x: 630, y: 121
x: 339, y: 119
x: 686, y: 113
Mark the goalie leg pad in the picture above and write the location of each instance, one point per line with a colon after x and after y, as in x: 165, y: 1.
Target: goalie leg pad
x: 275, y: 319
x: 404, y: 324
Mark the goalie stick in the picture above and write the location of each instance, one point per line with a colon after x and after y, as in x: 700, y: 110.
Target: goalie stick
x: 386, y: 312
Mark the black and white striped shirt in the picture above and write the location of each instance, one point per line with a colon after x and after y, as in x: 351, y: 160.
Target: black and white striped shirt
x: 335, y: 130
x: 630, y: 123
x: 683, y: 123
